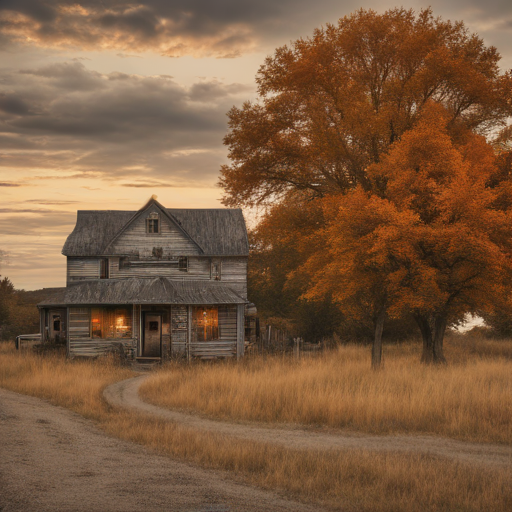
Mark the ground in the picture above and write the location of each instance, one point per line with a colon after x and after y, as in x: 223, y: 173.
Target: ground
x: 125, y: 394
x: 55, y: 460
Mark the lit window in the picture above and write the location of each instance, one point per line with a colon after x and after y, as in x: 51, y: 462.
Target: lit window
x: 109, y: 323
x: 205, y: 323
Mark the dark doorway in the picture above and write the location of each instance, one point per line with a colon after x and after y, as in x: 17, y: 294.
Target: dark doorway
x: 57, y: 325
x: 152, y: 335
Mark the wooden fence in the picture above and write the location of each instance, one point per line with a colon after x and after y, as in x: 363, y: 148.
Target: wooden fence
x: 273, y: 340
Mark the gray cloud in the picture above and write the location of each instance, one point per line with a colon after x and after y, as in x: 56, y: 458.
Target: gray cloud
x: 54, y: 223
x: 9, y: 184
x: 11, y: 104
x: 117, y: 125
x: 30, y: 210
x: 222, y: 28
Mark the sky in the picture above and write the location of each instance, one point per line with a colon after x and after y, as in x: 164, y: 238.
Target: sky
x: 104, y: 103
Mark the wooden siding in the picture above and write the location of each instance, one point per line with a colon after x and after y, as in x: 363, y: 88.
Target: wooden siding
x: 135, y: 241
x: 225, y: 346
x: 94, y: 347
x: 80, y: 269
x: 212, y: 349
x: 240, y: 331
x: 81, y: 344
x: 234, y: 275
x: 179, y: 330
x: 137, y: 334
x: 79, y: 323
x: 227, y: 323
x: 198, y: 269
x: 175, y: 334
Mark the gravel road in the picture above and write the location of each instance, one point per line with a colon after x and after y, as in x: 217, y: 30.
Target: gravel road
x: 52, y: 459
x: 125, y: 394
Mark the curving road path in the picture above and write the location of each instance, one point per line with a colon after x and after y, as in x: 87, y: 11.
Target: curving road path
x: 126, y: 394
x: 53, y: 460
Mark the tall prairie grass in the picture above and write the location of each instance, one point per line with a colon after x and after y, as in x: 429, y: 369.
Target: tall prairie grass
x: 470, y: 399
x: 352, y: 480
x: 77, y: 385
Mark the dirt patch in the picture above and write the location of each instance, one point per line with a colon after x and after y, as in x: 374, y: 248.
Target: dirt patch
x: 125, y: 394
x: 54, y: 460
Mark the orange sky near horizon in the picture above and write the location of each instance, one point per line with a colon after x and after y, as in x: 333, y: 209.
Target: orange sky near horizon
x: 103, y: 104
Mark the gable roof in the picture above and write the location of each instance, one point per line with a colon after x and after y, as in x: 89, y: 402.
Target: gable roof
x: 217, y: 231
x: 140, y: 213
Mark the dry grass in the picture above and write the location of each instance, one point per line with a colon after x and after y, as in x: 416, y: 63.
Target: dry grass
x: 470, y: 399
x: 350, y: 480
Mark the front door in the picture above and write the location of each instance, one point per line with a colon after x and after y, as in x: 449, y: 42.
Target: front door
x: 57, y: 325
x: 152, y: 338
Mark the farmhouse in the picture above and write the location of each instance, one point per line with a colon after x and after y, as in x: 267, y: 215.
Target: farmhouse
x: 154, y: 283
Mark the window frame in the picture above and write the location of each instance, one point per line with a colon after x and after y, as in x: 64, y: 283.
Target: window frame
x: 153, y: 225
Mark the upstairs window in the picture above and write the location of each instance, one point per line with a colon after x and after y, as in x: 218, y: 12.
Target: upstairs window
x: 216, y: 270
x: 152, y: 223
x: 104, y: 269
x: 183, y: 263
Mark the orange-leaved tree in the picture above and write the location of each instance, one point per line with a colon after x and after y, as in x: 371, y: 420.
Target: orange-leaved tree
x: 435, y: 242
x: 465, y: 235
x: 359, y: 261
x: 333, y: 110
x: 331, y: 105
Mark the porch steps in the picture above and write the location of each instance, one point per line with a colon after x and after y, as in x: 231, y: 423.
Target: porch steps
x: 144, y: 364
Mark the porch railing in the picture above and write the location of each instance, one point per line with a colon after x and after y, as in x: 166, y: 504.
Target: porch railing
x: 27, y: 341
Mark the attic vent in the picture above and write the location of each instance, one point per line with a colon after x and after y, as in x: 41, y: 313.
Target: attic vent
x: 152, y: 223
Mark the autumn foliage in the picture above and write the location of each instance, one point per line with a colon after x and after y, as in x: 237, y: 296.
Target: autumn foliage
x: 386, y: 127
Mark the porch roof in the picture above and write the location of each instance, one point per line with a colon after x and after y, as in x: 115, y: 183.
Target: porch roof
x: 158, y: 290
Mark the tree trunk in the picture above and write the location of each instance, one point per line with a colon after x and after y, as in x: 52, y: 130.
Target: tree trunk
x: 377, y: 340
x: 427, y: 356
x: 439, y: 330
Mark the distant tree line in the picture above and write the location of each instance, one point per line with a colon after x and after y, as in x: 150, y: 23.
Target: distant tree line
x: 18, y: 311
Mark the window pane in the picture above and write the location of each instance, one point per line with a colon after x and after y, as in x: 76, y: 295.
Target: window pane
x: 152, y: 225
x: 205, y: 323
x: 111, y: 323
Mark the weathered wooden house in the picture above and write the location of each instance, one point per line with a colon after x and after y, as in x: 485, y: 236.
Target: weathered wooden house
x: 158, y: 281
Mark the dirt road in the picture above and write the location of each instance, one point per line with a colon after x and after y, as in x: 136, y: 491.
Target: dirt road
x: 125, y: 394
x: 52, y: 459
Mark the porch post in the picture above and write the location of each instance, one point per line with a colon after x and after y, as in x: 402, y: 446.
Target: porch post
x: 189, y: 332
x: 240, y: 331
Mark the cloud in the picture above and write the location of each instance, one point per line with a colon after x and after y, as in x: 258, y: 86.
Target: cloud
x: 48, y: 202
x: 28, y: 210
x: 9, y: 184
x: 149, y: 184
x: 27, y: 224
x: 127, y: 56
x: 80, y: 124
x: 174, y: 28
x: 201, y: 28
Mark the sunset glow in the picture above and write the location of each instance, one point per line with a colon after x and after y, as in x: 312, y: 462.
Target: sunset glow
x: 104, y: 104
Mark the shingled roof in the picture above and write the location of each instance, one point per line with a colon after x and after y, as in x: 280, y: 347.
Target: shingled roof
x: 218, y: 232
x: 153, y: 290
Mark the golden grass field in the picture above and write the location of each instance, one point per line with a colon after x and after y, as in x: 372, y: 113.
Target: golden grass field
x: 342, y: 480
x: 469, y: 399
